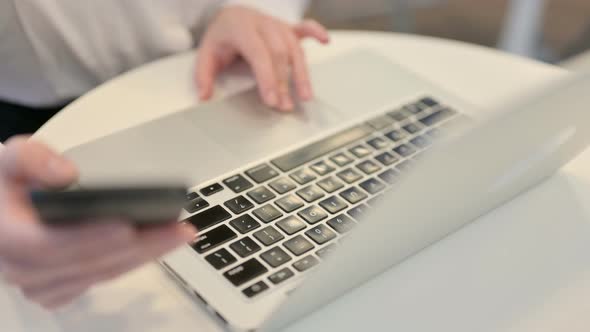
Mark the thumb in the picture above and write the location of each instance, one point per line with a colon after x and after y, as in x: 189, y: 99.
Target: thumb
x: 312, y: 29
x: 31, y: 163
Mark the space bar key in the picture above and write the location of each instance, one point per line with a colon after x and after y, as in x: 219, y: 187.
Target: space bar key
x: 301, y: 156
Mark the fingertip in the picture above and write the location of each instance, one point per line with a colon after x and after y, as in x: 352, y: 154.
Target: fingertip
x: 205, y: 93
x: 286, y: 104
x: 270, y: 97
x: 187, y: 233
x: 61, y: 169
x: 305, y: 92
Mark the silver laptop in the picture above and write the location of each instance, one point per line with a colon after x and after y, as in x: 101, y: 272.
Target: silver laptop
x: 296, y: 209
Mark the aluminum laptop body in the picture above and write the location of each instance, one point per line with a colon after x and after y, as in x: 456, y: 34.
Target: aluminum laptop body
x: 468, y: 172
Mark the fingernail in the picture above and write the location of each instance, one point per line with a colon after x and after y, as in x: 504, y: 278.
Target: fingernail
x: 61, y: 167
x: 271, y: 98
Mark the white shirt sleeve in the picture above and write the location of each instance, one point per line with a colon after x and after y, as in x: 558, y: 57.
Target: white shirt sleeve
x: 62, y: 49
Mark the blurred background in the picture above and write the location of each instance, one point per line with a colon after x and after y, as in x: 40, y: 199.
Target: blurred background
x: 556, y: 31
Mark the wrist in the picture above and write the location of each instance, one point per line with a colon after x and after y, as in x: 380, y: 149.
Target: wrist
x: 291, y: 11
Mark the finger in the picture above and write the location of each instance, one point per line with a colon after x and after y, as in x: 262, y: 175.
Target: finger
x: 58, y: 300
x: 312, y: 29
x: 252, y: 47
x: 281, y: 59
x: 207, y: 68
x: 91, y: 258
x: 31, y: 163
x: 150, y: 245
x: 77, y: 256
x: 156, y: 241
x: 300, y: 72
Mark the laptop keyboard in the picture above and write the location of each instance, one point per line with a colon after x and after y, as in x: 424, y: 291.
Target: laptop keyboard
x: 289, y: 213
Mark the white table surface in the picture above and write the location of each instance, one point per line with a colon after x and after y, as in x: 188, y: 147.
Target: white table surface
x: 525, y: 267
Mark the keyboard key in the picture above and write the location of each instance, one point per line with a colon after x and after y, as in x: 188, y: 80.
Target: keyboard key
x: 303, y: 176
x: 245, y: 272
x: 374, y: 201
x: 437, y: 117
x: 282, y: 185
x: 333, y: 204
x: 341, y: 159
x: 434, y: 133
x: 268, y: 236
x: 278, y: 277
x: 404, y: 166
x: 262, y: 173
x: 322, y: 147
x: 349, y: 175
x: 372, y: 186
x: 239, y: 204
x: 298, y: 245
x: 404, y: 150
x: 389, y: 176
x: 276, y: 257
x: 322, y: 168
x: 430, y: 102
x: 310, y: 193
x: 420, y: 141
x: 396, y: 135
x: 378, y: 143
x: 261, y: 195
x: 291, y: 225
x: 321, y: 234
x: 208, y: 218
x: 255, y: 289
x: 360, y: 151
x: 237, y: 183
x: 244, y: 224
x: 211, y: 189
x: 353, y: 195
x: 413, y: 108
x: 380, y: 122
x: 399, y: 115
x: 213, y: 238
x: 421, y: 106
x: 387, y: 158
x: 192, y: 195
x: 326, y: 251
x: 220, y: 259
x: 306, y: 263
x: 245, y: 247
x: 412, y: 128
x: 358, y: 212
x: 368, y: 167
x: 341, y: 224
x: 312, y: 214
x: 196, y: 205
x: 267, y: 213
x: 289, y: 203
x: 330, y: 184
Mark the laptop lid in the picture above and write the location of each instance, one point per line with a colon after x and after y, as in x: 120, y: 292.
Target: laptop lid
x: 464, y: 177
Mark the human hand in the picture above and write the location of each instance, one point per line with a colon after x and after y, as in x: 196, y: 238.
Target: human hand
x: 54, y: 265
x: 270, y: 46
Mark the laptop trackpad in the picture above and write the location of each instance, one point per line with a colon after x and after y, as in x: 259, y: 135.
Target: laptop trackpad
x: 248, y: 130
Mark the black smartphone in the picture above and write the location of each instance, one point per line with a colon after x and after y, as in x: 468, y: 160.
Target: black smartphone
x: 143, y: 206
